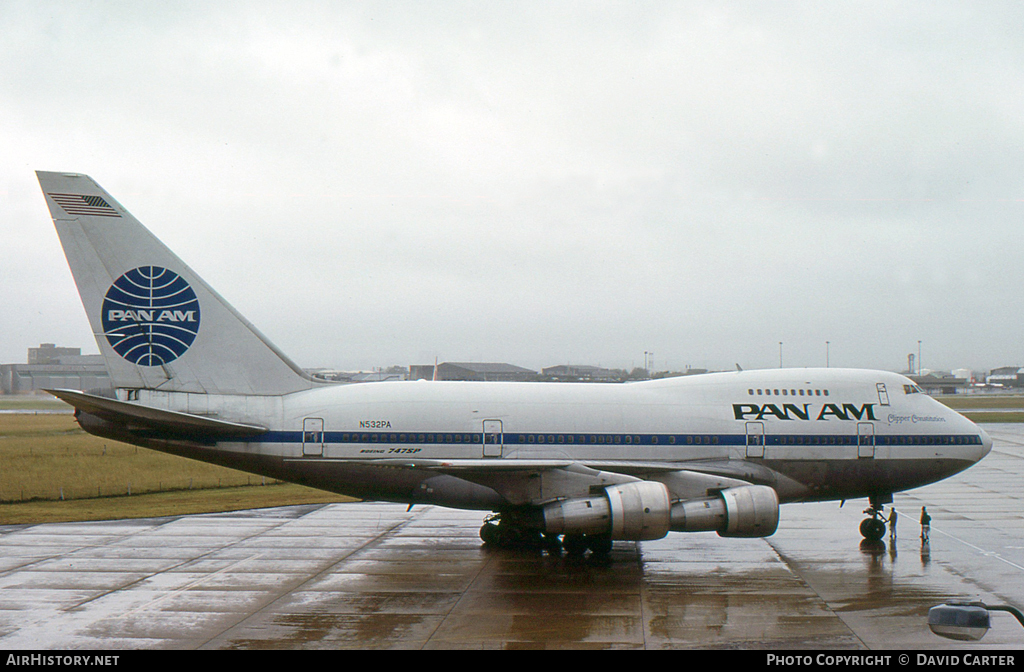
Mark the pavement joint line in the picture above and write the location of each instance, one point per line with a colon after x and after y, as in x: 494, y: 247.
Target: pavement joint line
x: 64, y: 554
x: 183, y: 563
x: 982, y: 551
x: 190, y: 585
x: 476, y: 576
x: 793, y: 567
x: 78, y: 607
x: 379, y: 534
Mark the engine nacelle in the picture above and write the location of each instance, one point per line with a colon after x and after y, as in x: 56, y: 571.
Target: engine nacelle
x: 636, y: 511
x: 745, y: 511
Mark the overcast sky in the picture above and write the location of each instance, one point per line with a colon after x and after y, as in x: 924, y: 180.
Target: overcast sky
x: 539, y: 183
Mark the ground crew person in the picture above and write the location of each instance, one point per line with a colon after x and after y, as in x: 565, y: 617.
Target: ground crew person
x: 892, y: 524
x: 926, y: 524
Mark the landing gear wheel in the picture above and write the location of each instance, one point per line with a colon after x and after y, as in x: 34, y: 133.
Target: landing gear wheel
x: 501, y: 533
x: 600, y: 544
x: 552, y: 544
x: 489, y: 534
x: 873, y: 529
x: 575, y: 545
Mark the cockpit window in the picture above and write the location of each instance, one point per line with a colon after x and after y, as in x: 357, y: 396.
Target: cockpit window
x: 912, y: 389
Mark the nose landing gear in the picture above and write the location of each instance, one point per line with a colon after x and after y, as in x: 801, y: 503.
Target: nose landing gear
x: 873, y: 528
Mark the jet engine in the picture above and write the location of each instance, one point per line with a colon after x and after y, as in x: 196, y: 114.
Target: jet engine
x: 744, y: 511
x: 643, y: 510
x: 636, y: 511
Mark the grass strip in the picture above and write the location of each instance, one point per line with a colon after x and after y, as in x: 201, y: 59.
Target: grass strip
x: 967, y: 402
x: 160, y: 504
x: 995, y: 416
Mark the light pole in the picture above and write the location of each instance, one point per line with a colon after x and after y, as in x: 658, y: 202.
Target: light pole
x: 966, y: 621
x: 919, y: 358
x: 826, y: 354
x: 780, y: 354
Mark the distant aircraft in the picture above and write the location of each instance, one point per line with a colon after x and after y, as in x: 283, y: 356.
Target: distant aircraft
x: 575, y: 465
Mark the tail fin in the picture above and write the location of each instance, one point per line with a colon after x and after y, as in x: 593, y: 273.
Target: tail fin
x: 157, y: 323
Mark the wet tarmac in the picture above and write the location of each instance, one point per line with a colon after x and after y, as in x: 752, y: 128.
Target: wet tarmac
x: 378, y: 576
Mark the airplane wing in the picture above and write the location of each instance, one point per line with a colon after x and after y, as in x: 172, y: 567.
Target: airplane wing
x: 538, y: 481
x: 746, y: 471
x: 144, y: 419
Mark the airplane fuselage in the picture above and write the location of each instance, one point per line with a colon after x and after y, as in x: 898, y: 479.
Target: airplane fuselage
x: 811, y: 434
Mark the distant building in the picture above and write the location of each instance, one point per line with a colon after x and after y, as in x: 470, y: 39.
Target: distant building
x: 1006, y: 376
x: 50, y: 367
x: 421, y: 372
x: 49, y: 353
x: 967, y: 375
x: 940, y: 382
x: 356, y: 376
x: 476, y: 371
x: 582, y: 373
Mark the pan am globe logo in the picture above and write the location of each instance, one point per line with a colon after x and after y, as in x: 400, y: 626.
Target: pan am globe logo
x: 150, y: 316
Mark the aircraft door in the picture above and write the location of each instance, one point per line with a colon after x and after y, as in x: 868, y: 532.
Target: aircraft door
x: 865, y: 440
x: 755, y: 439
x: 494, y: 439
x: 313, y: 437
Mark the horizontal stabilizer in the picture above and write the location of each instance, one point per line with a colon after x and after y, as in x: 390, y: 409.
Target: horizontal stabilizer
x: 144, y: 418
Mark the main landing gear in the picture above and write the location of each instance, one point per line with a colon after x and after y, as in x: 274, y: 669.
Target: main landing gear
x: 510, y: 533
x: 873, y: 528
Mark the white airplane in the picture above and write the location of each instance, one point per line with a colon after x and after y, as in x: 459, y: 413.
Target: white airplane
x: 579, y: 464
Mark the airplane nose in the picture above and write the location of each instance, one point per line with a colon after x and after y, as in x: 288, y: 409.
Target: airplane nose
x: 986, y: 443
